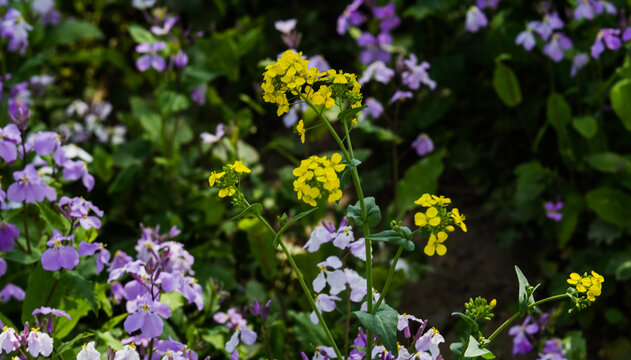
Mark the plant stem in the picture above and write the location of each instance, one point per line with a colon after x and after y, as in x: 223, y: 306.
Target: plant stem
x: 304, y: 286
x: 388, y: 279
x: 28, y: 241
x: 348, y: 154
x: 151, y: 347
x: 516, y: 315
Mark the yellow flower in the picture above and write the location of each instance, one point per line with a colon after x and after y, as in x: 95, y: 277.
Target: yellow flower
x: 213, y: 177
x: 300, y: 129
x: 239, y: 167
x: 441, y: 200
x: 229, y: 191
x: 597, y: 278
x: 458, y: 219
x: 581, y: 283
x: 430, y: 217
x: 425, y: 201
x: 435, y: 244
x: 317, y: 177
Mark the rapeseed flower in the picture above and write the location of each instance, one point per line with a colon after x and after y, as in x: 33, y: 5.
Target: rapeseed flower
x: 228, y: 180
x: 316, y: 177
x: 437, y: 221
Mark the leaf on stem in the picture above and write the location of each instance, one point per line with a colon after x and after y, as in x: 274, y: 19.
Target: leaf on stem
x: 373, y: 214
x: 383, y: 324
x: 393, y: 237
x: 252, y: 210
x: 290, y: 223
x: 525, y: 292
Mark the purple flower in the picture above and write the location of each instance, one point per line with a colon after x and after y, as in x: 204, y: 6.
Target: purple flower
x: 147, y: 317
x: 186, y: 285
x: 285, y: 26
x: 208, y: 138
x: 404, y: 324
x: 75, y: 170
x: 45, y: 143
x: 15, y: 28
x: 584, y: 10
x: 44, y: 310
x: 553, y: 210
x: 324, y: 303
x: 12, y: 291
x: 611, y: 40
x: 580, y: 60
x: 626, y: 35
x: 9, y: 138
x: 416, y: 74
x: 526, y: 38
x: 9, y: 340
x: 169, y: 22
x: 374, y: 108
x: 483, y: 4
x: 3, y: 267
x: 475, y: 19
x: 29, y: 187
x: 399, y: 95
x: 198, y: 94
x: 521, y: 344
x: 388, y: 18
x: 151, y: 59
x: 78, y: 209
x: 8, y: 234
x: 318, y: 62
x: 59, y: 255
x: 423, y: 145
x: 102, y: 257
x: 19, y: 113
x: 181, y: 59
x: 546, y: 27
x: 379, y: 71
x: 335, y: 279
x: 231, y: 318
x: 43, y: 6
x: 350, y: 17
x: 243, y: 333
x: 558, y: 43
x: 374, y: 48
x: 552, y: 351
x: 601, y: 5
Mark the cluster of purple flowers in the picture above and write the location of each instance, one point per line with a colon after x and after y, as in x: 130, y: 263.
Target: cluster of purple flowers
x: 93, y: 118
x: 15, y: 29
x: 161, y: 266
x: 524, y: 336
x: 557, y: 43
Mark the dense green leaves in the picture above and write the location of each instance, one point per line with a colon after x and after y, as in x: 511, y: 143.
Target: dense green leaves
x: 79, y: 286
x: 383, y: 323
x: 506, y: 85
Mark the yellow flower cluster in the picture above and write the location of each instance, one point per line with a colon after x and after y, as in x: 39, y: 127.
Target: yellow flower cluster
x: 228, y: 179
x: 317, y: 176
x: 290, y: 75
x: 438, y: 221
x: 591, y: 285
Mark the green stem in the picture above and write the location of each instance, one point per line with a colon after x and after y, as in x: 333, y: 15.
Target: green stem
x: 304, y: 286
x: 360, y: 196
x: 516, y: 315
x: 388, y: 280
x: 28, y: 241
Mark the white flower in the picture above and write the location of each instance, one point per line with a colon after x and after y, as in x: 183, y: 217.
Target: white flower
x: 39, y: 343
x: 8, y: 340
x: 127, y: 353
x: 143, y: 4
x: 88, y: 352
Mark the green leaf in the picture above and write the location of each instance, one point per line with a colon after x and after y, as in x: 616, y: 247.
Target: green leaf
x: 474, y: 350
x: 393, y: 237
x: 472, y: 324
x: 290, y: 223
x: 70, y: 31
x: 623, y: 271
x: 418, y: 179
x: 171, y: 102
x: 611, y: 205
x: 305, y: 331
x: 608, y: 162
x: 558, y: 112
x: 193, y: 76
x: 384, y: 324
x: 21, y: 257
x: 260, y: 240
x: 67, y: 345
x: 252, y: 210
x: 77, y: 308
x: 373, y: 214
x: 586, y: 126
x: 111, y: 323
x: 381, y: 133
x: 82, y: 288
x: 41, y: 290
x: 53, y: 218
x: 456, y: 348
x: 346, y: 174
x: 141, y: 35
x: 525, y: 299
x: 620, y: 94
x: 506, y: 85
